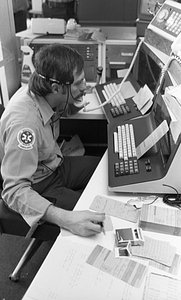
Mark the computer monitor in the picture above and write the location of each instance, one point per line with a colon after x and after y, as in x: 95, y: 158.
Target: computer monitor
x: 159, y: 168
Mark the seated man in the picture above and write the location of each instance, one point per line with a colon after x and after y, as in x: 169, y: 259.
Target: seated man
x: 32, y: 165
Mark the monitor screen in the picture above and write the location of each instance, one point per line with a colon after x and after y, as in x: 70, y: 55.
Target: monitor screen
x: 167, y: 144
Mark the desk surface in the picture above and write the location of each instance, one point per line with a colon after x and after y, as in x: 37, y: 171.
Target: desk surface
x: 57, y: 266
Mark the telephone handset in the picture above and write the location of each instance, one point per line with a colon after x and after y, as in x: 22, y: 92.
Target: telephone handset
x: 167, y: 21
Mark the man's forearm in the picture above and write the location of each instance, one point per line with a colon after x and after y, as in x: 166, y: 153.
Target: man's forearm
x: 56, y: 216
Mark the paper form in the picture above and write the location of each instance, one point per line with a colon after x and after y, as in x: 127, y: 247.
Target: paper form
x: 143, y: 99
x: 152, y: 139
x: 65, y: 275
x: 121, y: 73
x: 162, y: 288
x: 175, y: 129
x: 127, y: 90
x: 115, y: 208
x: 173, y: 105
x: 174, y: 267
x: 125, y: 269
x: 156, y: 250
x: 161, y: 215
x: 175, y: 92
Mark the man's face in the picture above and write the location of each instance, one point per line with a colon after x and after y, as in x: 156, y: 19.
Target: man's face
x: 73, y: 93
x: 77, y: 88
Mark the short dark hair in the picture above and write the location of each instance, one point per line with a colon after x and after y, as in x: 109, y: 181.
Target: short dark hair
x: 54, y: 61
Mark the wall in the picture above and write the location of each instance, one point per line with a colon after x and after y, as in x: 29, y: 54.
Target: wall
x: 10, y: 70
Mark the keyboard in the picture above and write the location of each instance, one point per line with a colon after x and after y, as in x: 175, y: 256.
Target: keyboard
x: 118, y: 103
x: 118, y: 108
x: 124, y: 146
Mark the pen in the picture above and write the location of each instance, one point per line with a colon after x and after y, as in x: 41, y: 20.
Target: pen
x: 102, y: 226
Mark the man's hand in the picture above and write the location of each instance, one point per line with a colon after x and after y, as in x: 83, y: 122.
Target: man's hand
x: 84, y: 223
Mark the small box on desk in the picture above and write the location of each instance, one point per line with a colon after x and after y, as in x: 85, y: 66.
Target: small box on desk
x: 124, y: 235
x: 160, y: 219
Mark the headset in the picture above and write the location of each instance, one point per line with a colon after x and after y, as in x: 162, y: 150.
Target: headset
x: 67, y: 83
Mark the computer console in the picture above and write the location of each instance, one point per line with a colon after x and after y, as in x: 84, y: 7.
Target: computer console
x: 119, y: 108
x: 158, y: 170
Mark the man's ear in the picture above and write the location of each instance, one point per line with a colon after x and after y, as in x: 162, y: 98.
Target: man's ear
x: 56, y: 88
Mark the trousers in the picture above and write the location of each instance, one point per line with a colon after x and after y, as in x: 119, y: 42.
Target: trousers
x: 68, y: 181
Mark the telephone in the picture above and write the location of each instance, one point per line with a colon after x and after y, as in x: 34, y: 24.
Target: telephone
x: 167, y: 21
x: 148, y: 8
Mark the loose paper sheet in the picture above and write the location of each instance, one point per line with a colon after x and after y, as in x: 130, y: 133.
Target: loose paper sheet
x: 156, y: 250
x: 125, y: 269
x: 127, y: 90
x: 66, y: 275
x: 115, y: 208
x: 152, y: 139
x: 144, y: 99
x: 162, y: 288
x: 174, y: 267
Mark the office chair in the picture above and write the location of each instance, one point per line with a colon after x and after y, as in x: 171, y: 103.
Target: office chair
x: 12, y: 223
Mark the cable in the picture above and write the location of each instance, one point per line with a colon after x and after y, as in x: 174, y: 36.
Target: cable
x: 141, y: 200
x: 121, y: 84
x: 172, y: 200
x: 164, y: 69
x: 65, y: 106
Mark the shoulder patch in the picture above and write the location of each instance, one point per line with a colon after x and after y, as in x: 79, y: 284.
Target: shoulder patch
x: 26, y: 138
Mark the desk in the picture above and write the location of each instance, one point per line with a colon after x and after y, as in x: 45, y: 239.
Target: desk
x: 50, y: 274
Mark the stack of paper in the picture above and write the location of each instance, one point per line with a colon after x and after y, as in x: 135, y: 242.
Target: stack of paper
x: 160, y: 219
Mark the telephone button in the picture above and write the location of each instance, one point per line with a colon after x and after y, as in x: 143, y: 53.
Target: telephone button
x: 162, y: 15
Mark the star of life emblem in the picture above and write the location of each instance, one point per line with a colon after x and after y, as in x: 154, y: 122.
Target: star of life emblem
x: 26, y: 138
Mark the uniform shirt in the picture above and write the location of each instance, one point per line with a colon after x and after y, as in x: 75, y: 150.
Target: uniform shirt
x: 29, y: 152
